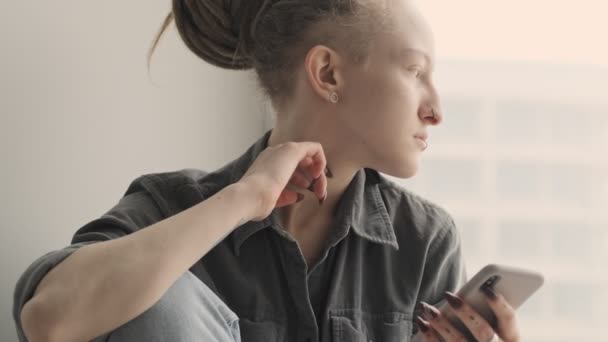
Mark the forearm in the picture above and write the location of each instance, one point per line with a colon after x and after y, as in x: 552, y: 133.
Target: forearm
x: 104, y: 285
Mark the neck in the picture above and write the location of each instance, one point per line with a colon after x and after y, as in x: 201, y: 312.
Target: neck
x: 308, y: 216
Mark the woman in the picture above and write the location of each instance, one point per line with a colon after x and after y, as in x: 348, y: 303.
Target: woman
x: 298, y: 239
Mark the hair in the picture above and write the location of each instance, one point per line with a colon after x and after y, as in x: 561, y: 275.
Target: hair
x: 273, y: 36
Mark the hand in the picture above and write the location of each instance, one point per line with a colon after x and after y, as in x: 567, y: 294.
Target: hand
x: 435, y: 327
x: 280, y: 170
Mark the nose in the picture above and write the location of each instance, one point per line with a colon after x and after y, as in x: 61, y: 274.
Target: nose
x: 432, y: 114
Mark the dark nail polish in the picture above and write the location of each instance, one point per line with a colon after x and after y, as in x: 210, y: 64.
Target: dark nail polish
x: 430, y: 311
x: 328, y: 173
x: 300, y: 198
x: 422, y: 325
x: 489, y: 292
x: 453, y: 300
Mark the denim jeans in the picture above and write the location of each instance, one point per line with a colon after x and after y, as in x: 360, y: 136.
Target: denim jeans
x: 188, y: 312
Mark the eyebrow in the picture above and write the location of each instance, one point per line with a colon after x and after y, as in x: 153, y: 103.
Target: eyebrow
x: 409, y: 51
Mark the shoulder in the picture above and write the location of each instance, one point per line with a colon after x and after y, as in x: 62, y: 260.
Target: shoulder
x: 415, y: 218
x: 177, y: 190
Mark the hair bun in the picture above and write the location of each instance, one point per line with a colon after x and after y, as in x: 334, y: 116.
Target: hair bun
x: 213, y: 31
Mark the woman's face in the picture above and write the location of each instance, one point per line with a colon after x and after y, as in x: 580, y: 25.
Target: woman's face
x: 386, y: 104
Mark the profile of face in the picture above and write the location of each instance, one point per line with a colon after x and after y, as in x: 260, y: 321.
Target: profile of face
x: 388, y: 103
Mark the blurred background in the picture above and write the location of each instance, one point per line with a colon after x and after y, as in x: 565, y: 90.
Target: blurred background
x: 520, y: 161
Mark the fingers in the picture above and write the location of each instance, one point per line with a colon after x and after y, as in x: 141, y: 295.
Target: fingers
x: 293, y: 192
x: 288, y: 197
x: 477, y: 325
x: 440, y: 324
x: 297, y: 185
x: 311, y: 172
x: 313, y: 163
x: 425, y: 329
x: 507, y: 328
x: 298, y: 179
x: 314, y: 150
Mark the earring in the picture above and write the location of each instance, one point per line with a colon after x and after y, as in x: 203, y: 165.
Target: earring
x: 334, y: 97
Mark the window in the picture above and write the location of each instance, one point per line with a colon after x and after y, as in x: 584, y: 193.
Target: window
x: 525, y: 175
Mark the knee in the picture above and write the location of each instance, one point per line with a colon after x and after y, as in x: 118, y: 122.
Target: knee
x: 188, y: 311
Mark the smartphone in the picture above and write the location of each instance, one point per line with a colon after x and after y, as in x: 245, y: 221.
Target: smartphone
x: 515, y: 284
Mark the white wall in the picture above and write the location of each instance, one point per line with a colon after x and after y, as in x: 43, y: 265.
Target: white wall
x: 79, y: 119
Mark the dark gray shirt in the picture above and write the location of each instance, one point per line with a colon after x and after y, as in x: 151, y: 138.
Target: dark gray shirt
x: 388, y: 250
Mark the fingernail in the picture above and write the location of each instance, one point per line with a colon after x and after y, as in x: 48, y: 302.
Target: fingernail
x: 322, y: 199
x: 300, y: 197
x: 453, y: 300
x: 422, y: 325
x: 429, y: 310
x: 328, y: 173
x: 489, y: 292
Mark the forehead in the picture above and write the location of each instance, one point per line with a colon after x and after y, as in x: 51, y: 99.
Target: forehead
x: 410, y: 34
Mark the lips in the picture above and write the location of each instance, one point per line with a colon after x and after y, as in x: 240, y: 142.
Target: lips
x: 422, y: 136
x: 422, y: 139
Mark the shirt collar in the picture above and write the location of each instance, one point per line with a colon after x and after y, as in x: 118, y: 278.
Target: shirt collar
x: 361, y: 207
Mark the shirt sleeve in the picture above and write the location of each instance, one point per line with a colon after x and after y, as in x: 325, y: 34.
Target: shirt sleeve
x: 444, y: 268
x: 138, y: 208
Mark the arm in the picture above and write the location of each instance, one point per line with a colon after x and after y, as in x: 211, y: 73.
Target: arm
x: 105, y: 284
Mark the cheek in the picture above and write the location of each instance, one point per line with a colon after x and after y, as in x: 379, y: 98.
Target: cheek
x: 385, y: 93
x: 394, y: 104
x: 382, y: 107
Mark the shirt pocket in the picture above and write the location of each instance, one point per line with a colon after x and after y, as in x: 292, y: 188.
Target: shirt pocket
x: 261, y: 330
x: 353, y: 325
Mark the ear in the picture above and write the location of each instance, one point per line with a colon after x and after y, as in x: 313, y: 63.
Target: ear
x: 323, y: 70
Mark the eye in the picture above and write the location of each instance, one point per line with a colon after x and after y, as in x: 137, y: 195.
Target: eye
x: 416, y: 71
